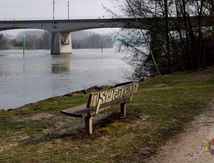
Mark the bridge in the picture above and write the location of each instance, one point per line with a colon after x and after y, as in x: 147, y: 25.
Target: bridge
x: 61, y: 29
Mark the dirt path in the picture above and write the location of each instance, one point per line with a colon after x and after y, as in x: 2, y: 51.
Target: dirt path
x: 187, y: 147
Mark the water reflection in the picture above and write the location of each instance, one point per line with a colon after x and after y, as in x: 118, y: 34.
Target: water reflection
x: 39, y: 75
x: 60, y: 63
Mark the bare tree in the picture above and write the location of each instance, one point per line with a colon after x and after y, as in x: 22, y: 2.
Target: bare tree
x: 3, y: 41
x: 170, y: 49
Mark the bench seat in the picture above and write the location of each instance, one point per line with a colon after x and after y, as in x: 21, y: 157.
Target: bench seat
x: 82, y: 111
x: 101, y: 100
x: 79, y: 113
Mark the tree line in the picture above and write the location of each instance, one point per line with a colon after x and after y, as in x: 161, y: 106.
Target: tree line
x: 93, y: 41
x: 41, y: 40
x: 186, y: 47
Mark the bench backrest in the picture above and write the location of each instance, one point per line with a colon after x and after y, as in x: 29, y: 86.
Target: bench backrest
x: 120, y: 93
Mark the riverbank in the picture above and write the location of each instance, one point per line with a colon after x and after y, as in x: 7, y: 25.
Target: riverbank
x: 162, y: 108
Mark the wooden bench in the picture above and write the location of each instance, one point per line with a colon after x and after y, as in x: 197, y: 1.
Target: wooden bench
x: 98, y: 101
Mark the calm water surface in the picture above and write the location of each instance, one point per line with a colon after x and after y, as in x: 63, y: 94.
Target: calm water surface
x: 40, y: 75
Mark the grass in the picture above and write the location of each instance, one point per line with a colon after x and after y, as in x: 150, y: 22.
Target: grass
x: 160, y: 109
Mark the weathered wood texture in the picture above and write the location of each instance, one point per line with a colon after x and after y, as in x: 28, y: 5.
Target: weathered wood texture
x: 99, y: 101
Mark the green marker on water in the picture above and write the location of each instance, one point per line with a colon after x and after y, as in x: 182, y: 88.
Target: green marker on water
x: 23, y: 45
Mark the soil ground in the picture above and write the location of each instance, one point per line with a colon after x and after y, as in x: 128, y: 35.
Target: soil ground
x: 187, y: 147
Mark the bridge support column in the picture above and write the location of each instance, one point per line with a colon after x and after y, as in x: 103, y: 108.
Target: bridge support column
x: 61, y: 43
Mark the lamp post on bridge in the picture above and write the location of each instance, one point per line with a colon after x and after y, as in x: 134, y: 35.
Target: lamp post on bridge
x: 23, y: 45
x: 68, y: 5
x: 53, y: 9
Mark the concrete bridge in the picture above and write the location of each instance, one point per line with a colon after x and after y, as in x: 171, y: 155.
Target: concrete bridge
x: 61, y: 29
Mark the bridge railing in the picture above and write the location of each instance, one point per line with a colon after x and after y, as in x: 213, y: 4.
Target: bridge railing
x: 56, y: 18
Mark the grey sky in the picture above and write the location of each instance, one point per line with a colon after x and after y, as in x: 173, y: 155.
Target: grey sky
x: 42, y: 9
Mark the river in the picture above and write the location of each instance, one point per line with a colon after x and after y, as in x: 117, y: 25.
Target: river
x: 39, y: 75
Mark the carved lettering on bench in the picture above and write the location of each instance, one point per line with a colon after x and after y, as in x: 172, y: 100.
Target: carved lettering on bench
x: 123, y: 92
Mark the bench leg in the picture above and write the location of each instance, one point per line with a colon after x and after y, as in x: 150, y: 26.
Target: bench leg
x: 88, y: 125
x: 123, y: 109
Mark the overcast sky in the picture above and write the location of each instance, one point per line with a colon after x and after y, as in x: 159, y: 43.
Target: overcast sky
x: 43, y: 9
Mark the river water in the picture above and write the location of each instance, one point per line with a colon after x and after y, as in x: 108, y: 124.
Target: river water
x: 39, y: 75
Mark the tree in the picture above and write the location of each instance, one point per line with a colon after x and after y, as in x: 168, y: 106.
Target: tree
x: 45, y: 40
x: 3, y: 41
x: 92, y: 40
x: 35, y: 39
x: 169, y: 49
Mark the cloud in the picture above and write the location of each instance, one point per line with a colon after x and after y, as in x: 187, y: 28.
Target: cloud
x: 28, y: 9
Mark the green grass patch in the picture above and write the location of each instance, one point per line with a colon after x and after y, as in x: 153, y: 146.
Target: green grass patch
x: 160, y: 109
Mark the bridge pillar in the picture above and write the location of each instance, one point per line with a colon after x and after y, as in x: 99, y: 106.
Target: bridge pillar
x: 61, y: 43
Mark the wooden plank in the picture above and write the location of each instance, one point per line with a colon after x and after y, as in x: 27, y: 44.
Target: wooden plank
x: 123, y: 109
x: 74, y: 111
x: 99, y: 101
x: 89, y: 124
x: 75, y: 108
x: 83, y: 112
x: 73, y: 114
x: 113, y: 95
x: 78, y: 113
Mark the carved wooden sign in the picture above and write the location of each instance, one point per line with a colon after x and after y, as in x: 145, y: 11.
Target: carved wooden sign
x: 119, y: 93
